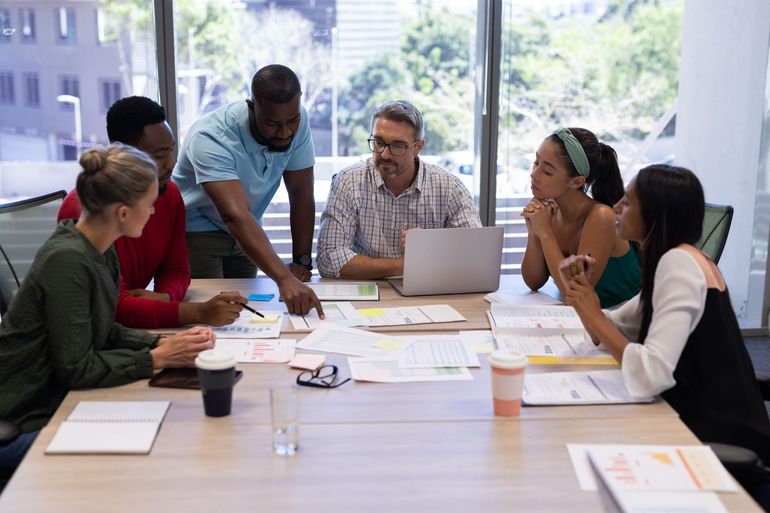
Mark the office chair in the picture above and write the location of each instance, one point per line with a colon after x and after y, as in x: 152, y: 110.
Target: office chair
x: 716, y: 227
x: 9, y: 282
x: 24, y: 226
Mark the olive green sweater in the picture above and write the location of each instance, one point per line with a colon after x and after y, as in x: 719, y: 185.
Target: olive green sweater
x: 59, y: 332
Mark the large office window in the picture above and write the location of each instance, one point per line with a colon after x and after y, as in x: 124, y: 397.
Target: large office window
x: 350, y: 56
x: 64, y: 22
x: 27, y: 24
x: 610, y: 67
x: 62, y: 88
x: 31, y: 89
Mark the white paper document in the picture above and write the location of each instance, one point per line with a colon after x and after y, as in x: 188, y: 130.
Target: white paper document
x: 279, y: 350
x: 340, y: 313
x: 388, y: 370
x: 109, y: 427
x: 249, y: 325
x: 567, y: 344
x: 595, y: 387
x: 525, y: 298
x: 346, y: 291
x: 409, y: 315
x: 482, y: 341
x: 427, y: 351
x: 541, y: 320
x: 704, y: 466
x: 351, y: 341
x: 670, y: 502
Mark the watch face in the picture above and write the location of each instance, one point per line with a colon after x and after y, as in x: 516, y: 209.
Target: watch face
x: 305, y: 259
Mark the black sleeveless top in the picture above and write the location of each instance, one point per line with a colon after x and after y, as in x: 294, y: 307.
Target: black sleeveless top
x: 716, y: 392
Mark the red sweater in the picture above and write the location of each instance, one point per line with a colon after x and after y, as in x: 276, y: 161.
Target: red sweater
x: 159, y: 254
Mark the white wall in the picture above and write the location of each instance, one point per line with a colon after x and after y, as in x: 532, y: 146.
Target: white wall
x: 719, y: 123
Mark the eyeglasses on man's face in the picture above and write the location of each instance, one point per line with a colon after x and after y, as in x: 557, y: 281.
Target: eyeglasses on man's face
x: 396, y: 149
x: 323, y: 377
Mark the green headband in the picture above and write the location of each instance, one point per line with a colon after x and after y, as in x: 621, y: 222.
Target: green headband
x: 575, y: 150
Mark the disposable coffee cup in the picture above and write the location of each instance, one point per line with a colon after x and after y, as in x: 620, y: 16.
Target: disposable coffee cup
x: 216, y: 373
x: 507, y: 369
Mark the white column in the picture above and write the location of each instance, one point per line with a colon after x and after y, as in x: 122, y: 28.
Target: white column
x: 719, y: 123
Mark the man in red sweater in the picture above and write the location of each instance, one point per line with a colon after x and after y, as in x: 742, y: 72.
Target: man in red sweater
x: 160, y: 254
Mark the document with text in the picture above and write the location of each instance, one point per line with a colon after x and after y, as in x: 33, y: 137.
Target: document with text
x: 340, y: 313
x: 408, y: 315
x: 388, y: 370
x: 351, y: 341
x: 346, y: 291
x: 571, y: 348
x: 595, y: 387
x: 279, y: 350
x: 533, y: 319
x: 427, y: 351
x: 249, y: 325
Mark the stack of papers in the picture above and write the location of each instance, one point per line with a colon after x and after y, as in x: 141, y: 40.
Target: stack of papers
x: 597, y: 387
x: 391, y: 359
x: 245, y: 350
x: 654, y: 477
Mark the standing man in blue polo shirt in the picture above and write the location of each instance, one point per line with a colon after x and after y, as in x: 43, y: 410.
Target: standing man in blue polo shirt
x: 229, y: 168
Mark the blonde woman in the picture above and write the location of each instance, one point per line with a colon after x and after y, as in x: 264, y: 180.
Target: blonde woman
x: 59, y: 332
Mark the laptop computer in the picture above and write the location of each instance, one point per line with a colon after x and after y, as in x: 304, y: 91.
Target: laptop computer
x: 451, y: 261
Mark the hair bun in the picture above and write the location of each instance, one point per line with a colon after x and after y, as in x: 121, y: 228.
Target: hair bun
x: 93, y: 161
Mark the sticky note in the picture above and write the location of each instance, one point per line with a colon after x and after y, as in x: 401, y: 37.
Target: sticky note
x: 389, y: 344
x: 307, y: 361
x: 483, y: 347
x: 368, y: 312
x: 269, y: 318
x: 261, y: 297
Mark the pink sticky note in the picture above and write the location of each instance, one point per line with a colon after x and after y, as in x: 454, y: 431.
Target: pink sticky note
x: 307, y: 361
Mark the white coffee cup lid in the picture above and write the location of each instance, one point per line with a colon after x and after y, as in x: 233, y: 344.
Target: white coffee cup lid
x: 507, y: 359
x: 215, y: 359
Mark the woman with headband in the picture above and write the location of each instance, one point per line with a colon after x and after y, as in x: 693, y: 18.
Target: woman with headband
x: 562, y: 219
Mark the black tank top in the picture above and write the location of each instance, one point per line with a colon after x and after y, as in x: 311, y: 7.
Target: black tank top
x: 716, y: 392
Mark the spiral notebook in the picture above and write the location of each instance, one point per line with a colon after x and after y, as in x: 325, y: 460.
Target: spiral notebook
x: 109, y: 427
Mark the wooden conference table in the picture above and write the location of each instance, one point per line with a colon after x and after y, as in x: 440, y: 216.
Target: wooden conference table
x: 363, y: 447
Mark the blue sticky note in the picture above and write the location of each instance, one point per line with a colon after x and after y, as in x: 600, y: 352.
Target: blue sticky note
x: 261, y: 297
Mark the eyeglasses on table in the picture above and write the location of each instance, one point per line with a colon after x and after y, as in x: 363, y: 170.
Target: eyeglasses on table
x: 325, y: 376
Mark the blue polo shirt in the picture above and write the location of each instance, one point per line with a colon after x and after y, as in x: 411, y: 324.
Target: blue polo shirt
x: 218, y: 147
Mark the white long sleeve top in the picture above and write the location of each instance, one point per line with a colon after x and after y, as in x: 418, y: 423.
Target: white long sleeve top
x: 678, y: 300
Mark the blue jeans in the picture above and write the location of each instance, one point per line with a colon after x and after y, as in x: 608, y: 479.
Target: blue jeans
x: 12, y: 454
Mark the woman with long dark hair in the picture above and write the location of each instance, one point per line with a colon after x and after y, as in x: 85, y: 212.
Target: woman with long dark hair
x: 679, y: 337
x: 562, y: 219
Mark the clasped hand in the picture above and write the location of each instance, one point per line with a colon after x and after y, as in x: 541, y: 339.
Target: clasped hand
x: 575, y: 271
x: 538, y: 214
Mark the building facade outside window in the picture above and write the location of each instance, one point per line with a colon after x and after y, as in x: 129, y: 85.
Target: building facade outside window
x: 109, y: 93
x: 6, y: 27
x: 66, y: 29
x: 70, y: 85
x: 7, y: 95
x: 27, y: 25
x: 31, y: 90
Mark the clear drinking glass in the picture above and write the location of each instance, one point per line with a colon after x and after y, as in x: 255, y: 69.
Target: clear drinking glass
x: 284, y: 410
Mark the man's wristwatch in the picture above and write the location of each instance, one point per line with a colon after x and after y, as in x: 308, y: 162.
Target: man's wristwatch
x: 305, y: 261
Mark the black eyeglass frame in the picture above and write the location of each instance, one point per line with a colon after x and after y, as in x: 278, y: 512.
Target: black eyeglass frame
x: 317, y: 380
x: 375, y: 140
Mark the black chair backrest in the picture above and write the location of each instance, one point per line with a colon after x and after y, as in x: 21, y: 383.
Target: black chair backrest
x: 9, y: 282
x: 25, y: 225
x: 716, y: 227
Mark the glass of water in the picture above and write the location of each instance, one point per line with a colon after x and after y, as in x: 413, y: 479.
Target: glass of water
x: 284, y: 409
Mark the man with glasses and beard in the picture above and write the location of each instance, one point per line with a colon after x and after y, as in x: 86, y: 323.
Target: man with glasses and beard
x: 371, y: 204
x: 160, y: 253
x: 230, y: 166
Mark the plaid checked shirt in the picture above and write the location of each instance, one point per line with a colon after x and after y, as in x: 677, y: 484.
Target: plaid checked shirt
x: 362, y: 217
